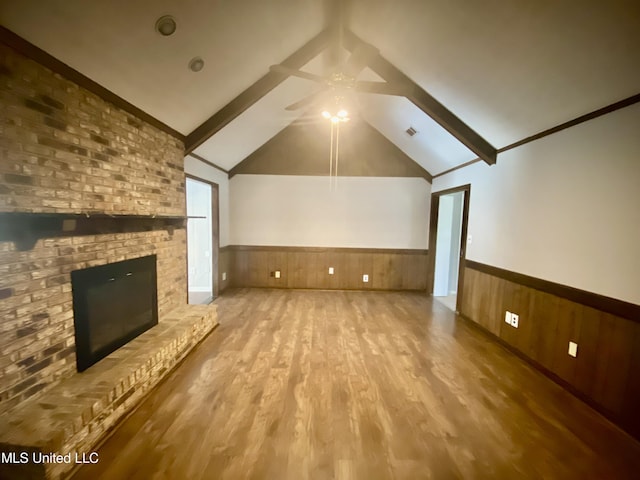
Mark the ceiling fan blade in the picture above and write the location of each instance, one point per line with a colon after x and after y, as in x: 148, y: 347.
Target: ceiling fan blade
x: 306, y: 101
x: 359, y: 59
x: 382, y: 88
x: 297, y: 73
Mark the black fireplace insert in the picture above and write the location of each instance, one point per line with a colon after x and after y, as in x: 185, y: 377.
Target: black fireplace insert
x: 112, y: 304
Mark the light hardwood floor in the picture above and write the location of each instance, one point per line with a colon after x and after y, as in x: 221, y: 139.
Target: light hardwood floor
x: 357, y: 385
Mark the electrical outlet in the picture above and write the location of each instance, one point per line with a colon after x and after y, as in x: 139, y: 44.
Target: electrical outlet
x: 330, y: 270
x: 507, y: 317
x: 277, y: 274
x: 515, y: 318
x: 573, y: 349
x: 365, y: 278
x: 224, y: 276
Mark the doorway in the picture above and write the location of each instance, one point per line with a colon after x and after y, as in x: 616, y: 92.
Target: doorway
x: 202, y: 240
x: 447, y: 245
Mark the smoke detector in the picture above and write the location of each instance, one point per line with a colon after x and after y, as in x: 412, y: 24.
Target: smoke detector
x: 411, y: 131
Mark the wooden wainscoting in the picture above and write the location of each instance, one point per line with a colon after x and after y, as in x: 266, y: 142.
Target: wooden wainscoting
x: 224, y: 267
x: 606, y: 371
x: 308, y: 267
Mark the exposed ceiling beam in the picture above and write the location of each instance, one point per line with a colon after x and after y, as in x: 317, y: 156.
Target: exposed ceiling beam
x: 425, y: 102
x: 334, y: 22
x: 256, y: 91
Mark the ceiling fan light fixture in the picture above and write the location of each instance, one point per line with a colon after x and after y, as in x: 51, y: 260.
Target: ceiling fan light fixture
x: 342, y: 113
x: 326, y: 115
x: 166, y: 25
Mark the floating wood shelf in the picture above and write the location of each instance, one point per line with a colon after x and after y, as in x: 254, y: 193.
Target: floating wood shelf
x: 25, y: 228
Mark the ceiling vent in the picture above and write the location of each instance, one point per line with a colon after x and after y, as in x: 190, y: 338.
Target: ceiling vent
x: 411, y: 131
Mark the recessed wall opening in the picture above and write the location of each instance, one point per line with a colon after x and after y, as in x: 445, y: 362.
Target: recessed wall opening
x: 447, y: 245
x: 445, y: 285
x: 202, y: 240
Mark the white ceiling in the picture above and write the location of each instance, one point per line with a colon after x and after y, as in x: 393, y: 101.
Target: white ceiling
x: 114, y: 43
x: 508, y: 69
x: 257, y: 125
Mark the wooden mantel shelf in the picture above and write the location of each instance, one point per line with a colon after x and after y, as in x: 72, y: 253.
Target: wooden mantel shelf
x: 25, y: 228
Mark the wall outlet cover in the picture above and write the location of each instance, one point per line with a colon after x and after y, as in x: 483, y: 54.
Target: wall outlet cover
x: 573, y: 349
x: 365, y: 278
x: 515, y: 320
x: 277, y: 273
x: 224, y: 276
x: 330, y: 270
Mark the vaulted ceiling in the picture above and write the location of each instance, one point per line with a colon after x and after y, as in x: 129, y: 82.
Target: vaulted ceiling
x: 506, y: 70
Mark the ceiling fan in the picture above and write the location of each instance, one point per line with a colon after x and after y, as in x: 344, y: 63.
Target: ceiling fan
x: 342, y: 80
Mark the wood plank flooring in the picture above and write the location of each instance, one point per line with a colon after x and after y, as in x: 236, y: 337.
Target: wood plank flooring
x: 358, y: 385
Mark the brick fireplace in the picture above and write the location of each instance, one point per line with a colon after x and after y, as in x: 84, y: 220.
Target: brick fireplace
x: 82, y: 184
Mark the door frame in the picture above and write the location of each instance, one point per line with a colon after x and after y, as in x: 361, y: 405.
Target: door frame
x: 215, y: 232
x: 433, y: 232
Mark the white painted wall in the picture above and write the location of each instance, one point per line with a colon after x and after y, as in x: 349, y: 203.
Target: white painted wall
x: 200, y: 169
x: 565, y: 208
x: 367, y: 212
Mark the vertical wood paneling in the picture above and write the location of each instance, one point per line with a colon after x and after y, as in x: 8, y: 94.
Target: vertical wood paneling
x: 395, y: 272
x: 631, y: 398
x: 587, y: 360
x: 338, y: 261
x: 240, y: 268
x: 323, y: 278
x: 567, y: 330
x: 276, y: 261
x: 482, y: 300
x: 544, y: 316
x: 224, y: 266
x: 258, y: 273
x: 619, y: 362
x: 309, y: 268
x: 294, y: 271
x: 354, y: 271
x: 414, y: 272
x: 381, y: 272
x: 606, y: 368
x: 366, y: 264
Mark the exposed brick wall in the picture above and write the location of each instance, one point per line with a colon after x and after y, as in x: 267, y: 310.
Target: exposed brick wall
x: 65, y: 150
